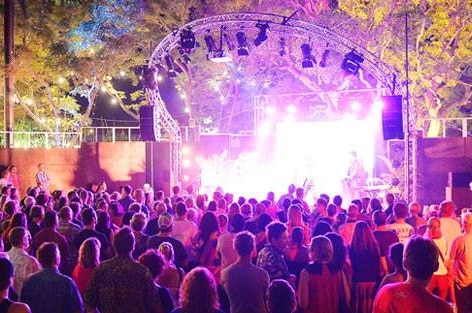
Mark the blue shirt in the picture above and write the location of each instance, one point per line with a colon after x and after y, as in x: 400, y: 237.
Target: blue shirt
x: 49, y: 291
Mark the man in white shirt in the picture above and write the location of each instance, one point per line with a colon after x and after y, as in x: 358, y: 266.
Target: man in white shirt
x: 401, y: 227
x: 450, y: 228
x: 24, y: 264
x: 183, y: 229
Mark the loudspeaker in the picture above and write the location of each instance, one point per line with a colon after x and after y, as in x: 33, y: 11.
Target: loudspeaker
x: 459, y: 179
x: 146, y: 123
x: 392, y: 118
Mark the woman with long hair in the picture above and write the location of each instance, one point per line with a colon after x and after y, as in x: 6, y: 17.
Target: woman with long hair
x: 364, y: 252
x: 295, y: 219
x: 205, y: 243
x: 198, y: 293
x: 319, y: 287
x: 89, y: 258
x: 17, y: 220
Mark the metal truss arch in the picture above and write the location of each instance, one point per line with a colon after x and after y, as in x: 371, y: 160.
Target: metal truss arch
x: 278, y: 24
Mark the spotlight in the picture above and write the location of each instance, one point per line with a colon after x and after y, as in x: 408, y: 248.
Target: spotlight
x: 170, y: 66
x: 229, y: 42
x: 282, y: 44
x: 262, y: 36
x: 150, y: 77
x: 243, y: 46
x: 324, y: 57
x: 216, y: 54
x: 352, y: 62
x: 210, y: 43
x: 184, y: 55
x: 308, y: 60
x: 187, y: 40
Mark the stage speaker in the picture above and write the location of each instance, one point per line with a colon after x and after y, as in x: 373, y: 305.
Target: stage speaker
x: 146, y: 123
x: 459, y: 179
x: 392, y: 118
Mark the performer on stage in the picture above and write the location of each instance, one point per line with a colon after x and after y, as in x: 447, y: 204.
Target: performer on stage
x: 356, y: 177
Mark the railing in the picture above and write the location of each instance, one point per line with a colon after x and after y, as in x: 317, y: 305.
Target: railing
x: 37, y: 139
x: 451, y: 127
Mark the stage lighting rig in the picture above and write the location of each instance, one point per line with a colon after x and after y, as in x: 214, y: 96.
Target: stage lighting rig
x: 243, y: 46
x: 352, y: 62
x: 171, y: 71
x: 150, y: 77
x: 184, y: 55
x: 187, y: 40
x: 324, y: 57
x: 283, y: 47
x: 216, y: 54
x: 262, y: 35
x: 308, y: 59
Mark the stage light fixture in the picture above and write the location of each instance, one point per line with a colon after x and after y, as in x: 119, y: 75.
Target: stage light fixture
x: 324, y: 57
x: 150, y: 78
x: 308, y: 59
x: 243, y: 46
x: 229, y: 42
x: 283, y: 49
x: 171, y: 71
x: 184, y: 55
x: 216, y: 54
x: 352, y: 62
x: 187, y: 40
x: 262, y: 35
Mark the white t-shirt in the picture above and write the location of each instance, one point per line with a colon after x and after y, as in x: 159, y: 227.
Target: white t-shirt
x: 184, y: 231
x: 403, y: 231
x: 225, y: 248
x: 450, y: 229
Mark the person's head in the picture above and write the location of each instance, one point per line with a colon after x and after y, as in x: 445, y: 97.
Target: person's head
x: 43, y: 199
x: 198, y: 291
x: 244, y: 243
x: 300, y: 193
x: 29, y: 202
x: 389, y: 198
x: 280, y: 297
x: 89, y: 217
x: 50, y: 219
x: 20, y: 237
x: 321, y: 250
x: 11, y: 207
x: 363, y: 239
x: 48, y: 255
x: 331, y: 210
x: 154, y: 261
x: 66, y: 214
x: 246, y: 209
x: 208, y: 225
x: 167, y: 251
x: 338, y: 200
x: 262, y: 222
x: 6, y: 273
x: 103, y: 220
x: 181, y: 209
x: 467, y: 222
x: 291, y: 188
x: 37, y: 213
x: 223, y: 222
x: 237, y: 223
x: 123, y: 242
x: 320, y: 206
x: 138, y: 195
x: 446, y: 208
x: 277, y: 234
x: 298, y: 236
x: 126, y: 190
x: 322, y: 228
x: 375, y: 205
x: 433, y: 227
x: 165, y: 222
x: 379, y: 218
x: 89, y: 253
x: 414, y: 208
x: 18, y: 219
x: 400, y: 210
x: 175, y: 190
x: 420, y: 258
x: 295, y: 215
x: 138, y: 222
x: 395, y: 254
x: 339, y: 249
x: 353, y: 212
x: 41, y: 166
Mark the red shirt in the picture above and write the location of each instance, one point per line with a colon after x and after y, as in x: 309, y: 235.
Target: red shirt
x: 82, y: 276
x: 406, y: 298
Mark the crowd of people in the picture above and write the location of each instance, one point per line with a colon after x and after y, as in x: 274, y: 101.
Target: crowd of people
x: 136, y: 251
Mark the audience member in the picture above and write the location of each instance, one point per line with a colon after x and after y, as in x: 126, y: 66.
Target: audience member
x: 183, y: 229
x: 89, y: 258
x: 385, y: 239
x: 461, y: 258
x: 244, y: 283
x: 198, y: 293
x: 401, y: 228
x: 6, y: 277
x: 320, y: 287
x: 420, y: 260
x: 450, y: 227
x: 120, y: 285
x: 49, y: 291
x: 137, y: 224
x: 281, y: 297
x: 171, y: 276
x: 155, y: 262
x: 396, y: 258
x: 225, y: 247
x: 89, y: 217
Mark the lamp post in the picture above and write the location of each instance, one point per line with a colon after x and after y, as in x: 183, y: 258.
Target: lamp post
x: 9, y: 16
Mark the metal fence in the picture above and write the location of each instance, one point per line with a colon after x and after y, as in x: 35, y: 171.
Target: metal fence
x: 451, y: 127
x: 36, y: 139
